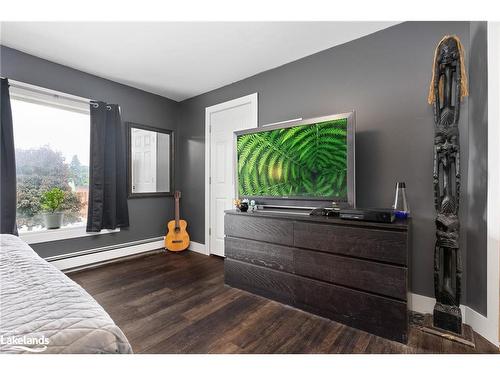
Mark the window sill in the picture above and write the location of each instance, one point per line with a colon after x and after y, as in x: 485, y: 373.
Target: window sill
x: 49, y: 235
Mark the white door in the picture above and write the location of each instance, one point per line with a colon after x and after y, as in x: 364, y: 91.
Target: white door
x: 222, y: 121
x: 143, y: 161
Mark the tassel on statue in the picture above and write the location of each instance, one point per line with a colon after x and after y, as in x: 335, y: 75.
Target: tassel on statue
x: 447, y: 88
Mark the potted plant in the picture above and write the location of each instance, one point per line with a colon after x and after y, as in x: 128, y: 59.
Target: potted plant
x: 51, y: 201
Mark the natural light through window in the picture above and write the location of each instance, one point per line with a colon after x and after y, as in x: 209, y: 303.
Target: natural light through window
x: 52, y: 152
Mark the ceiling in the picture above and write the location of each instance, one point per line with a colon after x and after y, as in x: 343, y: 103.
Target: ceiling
x: 179, y: 60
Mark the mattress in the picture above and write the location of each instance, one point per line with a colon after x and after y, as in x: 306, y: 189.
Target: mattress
x: 42, y: 310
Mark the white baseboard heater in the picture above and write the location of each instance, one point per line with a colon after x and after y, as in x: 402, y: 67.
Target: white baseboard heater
x: 87, y: 258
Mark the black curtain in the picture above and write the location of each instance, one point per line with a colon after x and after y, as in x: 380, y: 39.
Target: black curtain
x: 108, y: 175
x: 8, y: 165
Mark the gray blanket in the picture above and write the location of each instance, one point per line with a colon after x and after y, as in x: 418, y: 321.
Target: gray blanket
x: 42, y: 310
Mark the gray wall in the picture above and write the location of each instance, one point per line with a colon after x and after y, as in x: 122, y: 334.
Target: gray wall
x: 147, y: 215
x: 477, y: 169
x: 384, y: 77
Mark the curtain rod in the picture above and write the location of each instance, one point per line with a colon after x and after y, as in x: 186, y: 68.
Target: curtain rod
x: 46, y: 91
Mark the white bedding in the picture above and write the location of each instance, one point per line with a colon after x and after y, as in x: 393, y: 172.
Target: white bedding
x: 42, y: 310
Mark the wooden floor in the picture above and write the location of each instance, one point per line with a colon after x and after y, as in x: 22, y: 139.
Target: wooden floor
x: 178, y: 303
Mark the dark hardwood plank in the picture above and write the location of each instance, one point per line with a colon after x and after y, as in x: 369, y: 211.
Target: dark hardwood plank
x: 333, y: 331
x: 166, y: 321
x: 193, y: 312
x: 307, y: 336
x: 197, y: 337
x: 275, y: 340
x: 198, y: 312
x: 242, y: 335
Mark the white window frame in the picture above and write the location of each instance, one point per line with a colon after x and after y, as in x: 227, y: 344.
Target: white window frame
x: 40, y: 95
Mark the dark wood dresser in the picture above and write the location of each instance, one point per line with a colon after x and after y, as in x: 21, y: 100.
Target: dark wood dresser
x: 351, y: 272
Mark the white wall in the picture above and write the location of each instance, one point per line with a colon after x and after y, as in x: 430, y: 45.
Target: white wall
x: 489, y: 328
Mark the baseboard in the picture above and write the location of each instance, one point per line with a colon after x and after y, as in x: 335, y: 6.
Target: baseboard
x: 127, y: 249
x: 88, y: 258
x: 479, y: 323
x: 198, y: 247
x: 482, y: 325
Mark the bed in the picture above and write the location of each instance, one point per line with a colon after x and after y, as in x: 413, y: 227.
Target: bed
x: 42, y: 310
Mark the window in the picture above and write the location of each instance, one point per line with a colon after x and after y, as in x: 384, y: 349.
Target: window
x: 52, y: 151
x: 52, y: 142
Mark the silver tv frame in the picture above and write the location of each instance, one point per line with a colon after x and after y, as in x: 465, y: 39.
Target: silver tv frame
x: 351, y: 161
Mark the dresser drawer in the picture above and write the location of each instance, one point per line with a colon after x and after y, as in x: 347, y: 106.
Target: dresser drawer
x: 259, y: 228
x: 382, y: 245
x: 379, y: 278
x: 265, y: 282
x: 260, y: 253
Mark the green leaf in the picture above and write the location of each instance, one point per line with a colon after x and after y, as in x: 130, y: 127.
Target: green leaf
x: 298, y: 161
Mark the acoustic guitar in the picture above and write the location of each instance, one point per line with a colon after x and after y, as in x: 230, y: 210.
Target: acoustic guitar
x: 177, y: 238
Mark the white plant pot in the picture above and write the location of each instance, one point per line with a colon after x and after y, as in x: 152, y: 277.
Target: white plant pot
x: 53, y: 220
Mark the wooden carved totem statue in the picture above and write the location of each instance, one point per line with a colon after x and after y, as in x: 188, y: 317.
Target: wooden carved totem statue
x: 447, y: 88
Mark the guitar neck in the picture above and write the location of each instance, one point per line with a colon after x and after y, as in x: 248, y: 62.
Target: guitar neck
x: 177, y: 212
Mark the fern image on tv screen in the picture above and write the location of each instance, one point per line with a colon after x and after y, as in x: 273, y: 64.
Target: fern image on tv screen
x: 301, y: 161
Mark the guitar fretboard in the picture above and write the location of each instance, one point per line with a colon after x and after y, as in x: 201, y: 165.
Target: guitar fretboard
x: 176, y: 212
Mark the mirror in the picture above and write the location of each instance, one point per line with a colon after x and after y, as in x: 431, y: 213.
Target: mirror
x: 150, y: 161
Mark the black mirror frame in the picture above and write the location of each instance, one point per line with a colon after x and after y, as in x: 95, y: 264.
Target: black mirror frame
x: 129, y: 126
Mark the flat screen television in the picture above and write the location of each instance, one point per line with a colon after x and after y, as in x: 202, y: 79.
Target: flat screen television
x: 308, y: 160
